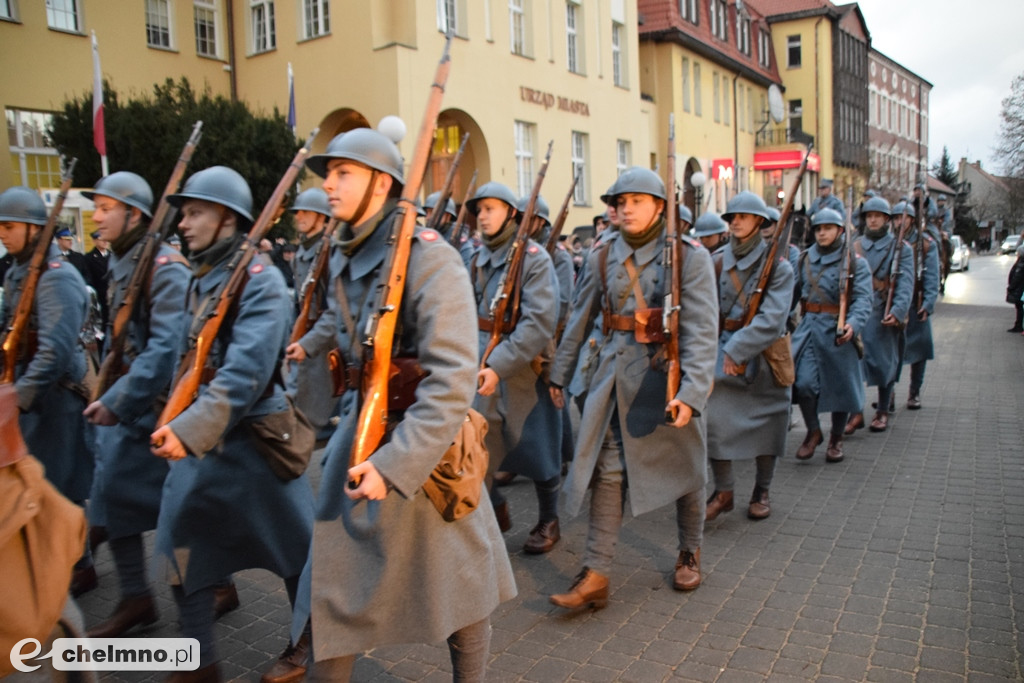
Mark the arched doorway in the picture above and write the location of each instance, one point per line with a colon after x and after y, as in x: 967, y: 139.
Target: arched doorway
x: 338, y: 121
x: 452, y: 124
x: 692, y: 195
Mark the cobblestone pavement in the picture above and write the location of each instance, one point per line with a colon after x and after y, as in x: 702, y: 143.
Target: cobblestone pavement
x: 904, y: 562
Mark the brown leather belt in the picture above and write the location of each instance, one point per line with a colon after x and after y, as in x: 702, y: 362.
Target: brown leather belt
x: 487, y: 325
x: 732, y: 324
x: 811, y: 307
x: 880, y: 285
x: 620, y: 323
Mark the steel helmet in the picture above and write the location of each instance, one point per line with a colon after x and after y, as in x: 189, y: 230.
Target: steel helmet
x: 900, y: 207
x: 540, y: 207
x: 638, y: 180
x: 685, y: 214
x: 746, y: 202
x: 492, y: 190
x: 449, y: 206
x: 220, y: 185
x: 877, y: 204
x: 22, y: 205
x: 773, y: 214
x: 709, y: 223
x: 126, y: 187
x: 941, y: 198
x: 827, y: 217
x: 314, y: 199
x: 609, y: 195
x: 365, y: 146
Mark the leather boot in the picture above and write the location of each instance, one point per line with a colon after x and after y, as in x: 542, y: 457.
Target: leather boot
x: 760, y: 505
x: 501, y: 514
x: 687, y: 576
x: 811, y: 441
x: 719, y: 502
x: 834, y: 453
x: 291, y: 665
x: 588, y: 588
x: 130, y: 612
x: 914, y: 402
x: 225, y: 599
x: 83, y: 581
x: 543, y: 537
x: 880, y: 423
x: 855, y: 422
x: 207, y: 674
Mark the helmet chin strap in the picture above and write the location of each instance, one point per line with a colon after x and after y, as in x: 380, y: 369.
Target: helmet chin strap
x: 365, y: 201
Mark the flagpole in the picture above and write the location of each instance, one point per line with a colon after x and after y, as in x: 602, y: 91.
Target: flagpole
x: 99, y: 134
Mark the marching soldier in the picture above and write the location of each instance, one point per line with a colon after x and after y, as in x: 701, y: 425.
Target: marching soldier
x: 129, y: 480
x: 748, y: 413
x: 51, y: 366
x: 825, y: 199
x: 920, y: 347
x: 385, y: 567
x: 309, y: 381
x: 223, y: 509
x: 883, y: 332
x: 828, y: 374
x: 524, y: 427
x: 711, y: 230
x: 624, y: 437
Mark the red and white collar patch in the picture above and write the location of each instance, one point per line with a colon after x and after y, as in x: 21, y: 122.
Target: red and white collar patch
x: 161, y: 260
x: 533, y: 249
x: 54, y: 264
x: 256, y: 268
x: 429, y: 235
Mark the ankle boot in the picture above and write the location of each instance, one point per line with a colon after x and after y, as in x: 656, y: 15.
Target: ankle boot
x: 291, y: 665
x: 811, y: 441
x: 760, y: 506
x: 687, y: 576
x: 835, y: 448
x: 719, y: 502
x: 130, y: 612
x: 588, y: 588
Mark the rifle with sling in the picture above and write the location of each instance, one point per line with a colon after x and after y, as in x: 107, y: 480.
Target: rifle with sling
x: 437, y: 211
x: 781, y: 232
x: 455, y: 236
x: 673, y: 261
x: 509, y: 286
x: 895, y: 263
x: 17, y: 331
x: 185, y: 388
x: 845, y: 274
x: 378, y: 342
x: 308, y: 313
x: 919, y: 266
x: 563, y: 214
x: 158, y: 230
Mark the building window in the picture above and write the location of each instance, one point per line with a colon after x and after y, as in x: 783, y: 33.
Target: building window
x: 34, y: 162
x: 750, y: 108
x: 686, y: 84
x: 64, y: 15
x: 697, y: 109
x: 7, y: 10
x: 688, y: 10
x: 447, y: 17
x: 796, y: 115
x: 743, y: 34
x: 316, y: 18
x: 793, y: 52
x: 205, y: 14
x: 740, y: 109
x: 574, y: 57
x: 619, y: 55
x: 871, y: 108
x: 517, y: 26
x: 718, y: 13
x: 525, y: 133
x: 579, y: 168
x: 715, y: 102
x: 623, y: 156
x: 158, y: 23
x: 725, y: 100
x: 264, y: 28
x: 764, y: 45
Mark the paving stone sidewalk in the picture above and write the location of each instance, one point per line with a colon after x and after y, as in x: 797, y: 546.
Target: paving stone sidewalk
x: 905, y: 562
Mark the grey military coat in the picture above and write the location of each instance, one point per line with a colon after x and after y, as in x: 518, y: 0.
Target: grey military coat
x: 51, y: 412
x: 830, y: 372
x: 883, y: 344
x: 629, y: 381
x: 129, y: 479
x: 393, y: 571
x: 223, y: 509
x: 748, y: 415
x: 919, y: 334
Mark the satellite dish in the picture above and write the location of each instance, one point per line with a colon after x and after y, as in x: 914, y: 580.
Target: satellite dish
x: 776, y: 107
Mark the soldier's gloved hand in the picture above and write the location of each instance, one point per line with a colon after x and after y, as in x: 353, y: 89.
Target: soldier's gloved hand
x: 557, y: 396
x: 846, y: 336
x: 684, y: 413
x: 922, y: 314
x: 487, y: 381
x: 99, y: 414
x: 164, y: 443
x: 371, y: 484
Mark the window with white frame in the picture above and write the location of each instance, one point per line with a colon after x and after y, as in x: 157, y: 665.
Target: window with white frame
x: 740, y: 119
x: 750, y: 108
x: 158, y: 23
x: 316, y: 18
x: 574, y: 56
x: 764, y: 43
x: 697, y: 108
x: 35, y: 162
x: 688, y: 10
x: 8, y: 10
x: 263, y: 25
x: 517, y: 26
x: 716, y: 103
x: 525, y: 134
x: 447, y: 16
x: 726, y: 109
x: 579, y: 167
x: 623, y: 156
x: 64, y: 15
x: 718, y: 14
x: 686, y: 84
x: 618, y: 55
x: 205, y: 16
x: 743, y: 34
x: 793, y: 54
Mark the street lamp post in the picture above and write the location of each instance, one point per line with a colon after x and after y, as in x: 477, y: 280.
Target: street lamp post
x: 698, y: 179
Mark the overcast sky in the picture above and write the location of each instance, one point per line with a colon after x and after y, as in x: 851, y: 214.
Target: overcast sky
x: 968, y: 51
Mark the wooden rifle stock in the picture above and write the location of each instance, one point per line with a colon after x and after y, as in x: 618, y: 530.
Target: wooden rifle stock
x: 15, y: 338
x: 159, y: 228
x: 563, y: 214
x: 845, y: 276
x: 455, y: 236
x: 185, y: 388
x: 308, y: 314
x: 508, y: 288
x: 919, y: 265
x: 673, y: 261
x: 437, y: 211
x: 754, y: 304
x: 895, y: 263
x: 380, y: 333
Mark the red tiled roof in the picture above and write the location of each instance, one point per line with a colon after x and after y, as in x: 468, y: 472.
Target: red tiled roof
x: 773, y: 7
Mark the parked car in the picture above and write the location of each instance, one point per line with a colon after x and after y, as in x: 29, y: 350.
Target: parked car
x: 960, y: 254
x: 1010, y: 244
